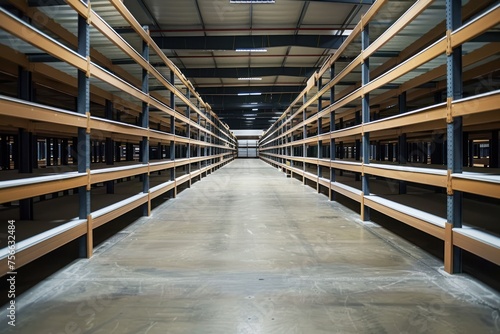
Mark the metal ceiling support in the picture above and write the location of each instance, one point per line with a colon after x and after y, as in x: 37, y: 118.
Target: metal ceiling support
x: 252, y: 29
x: 42, y: 58
x: 148, y: 13
x: 299, y: 22
x: 226, y: 105
x: 216, y: 43
x: 453, y: 254
x: 38, y: 3
x: 252, y: 89
x: 248, y: 72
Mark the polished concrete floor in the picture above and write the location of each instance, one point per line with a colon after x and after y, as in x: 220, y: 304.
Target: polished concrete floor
x: 247, y: 250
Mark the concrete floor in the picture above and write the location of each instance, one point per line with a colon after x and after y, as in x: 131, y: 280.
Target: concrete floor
x: 247, y: 250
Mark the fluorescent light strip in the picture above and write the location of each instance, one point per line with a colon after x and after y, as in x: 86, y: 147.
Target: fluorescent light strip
x: 255, y: 109
x: 253, y: 1
x: 246, y: 94
x: 251, y: 50
x: 254, y: 79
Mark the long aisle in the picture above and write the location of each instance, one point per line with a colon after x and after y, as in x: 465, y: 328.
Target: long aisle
x: 247, y: 250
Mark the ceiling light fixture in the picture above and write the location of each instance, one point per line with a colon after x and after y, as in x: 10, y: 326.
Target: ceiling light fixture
x: 253, y: 1
x: 251, y: 50
x: 250, y: 118
x: 255, y: 109
x: 253, y: 79
x: 246, y: 94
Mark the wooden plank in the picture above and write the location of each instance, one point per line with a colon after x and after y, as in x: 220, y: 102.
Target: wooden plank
x: 354, y: 196
x: 484, y: 103
x: 9, y: 194
x: 476, y: 27
x: 36, y: 112
x: 448, y: 248
x: 481, y: 249
x: 478, y: 187
x: 419, y: 224
x: 167, y: 187
x: 107, y: 217
x: 411, y: 176
x: 103, y: 175
x: 38, y: 250
x: 32, y: 36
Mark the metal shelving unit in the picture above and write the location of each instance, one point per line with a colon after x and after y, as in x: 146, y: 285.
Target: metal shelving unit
x: 114, y: 138
x: 399, y: 105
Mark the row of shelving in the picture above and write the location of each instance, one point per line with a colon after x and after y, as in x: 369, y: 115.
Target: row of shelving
x: 385, y: 87
x: 77, y: 95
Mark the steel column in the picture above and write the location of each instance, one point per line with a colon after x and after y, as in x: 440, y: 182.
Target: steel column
x: 453, y: 254
x: 25, y: 143
x: 172, y: 131
x: 494, y: 150
x: 188, y: 135
x: 110, y: 149
x: 320, y: 132
x: 83, y: 107
x: 402, y: 144
x: 145, y: 124
x: 332, y: 128
x: 365, y: 109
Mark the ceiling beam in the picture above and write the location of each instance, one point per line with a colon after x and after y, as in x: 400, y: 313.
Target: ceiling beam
x: 248, y: 72
x: 38, y: 3
x: 249, y: 102
x: 216, y: 43
x: 250, y: 89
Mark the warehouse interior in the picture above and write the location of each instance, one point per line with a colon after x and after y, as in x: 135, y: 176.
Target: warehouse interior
x: 116, y: 113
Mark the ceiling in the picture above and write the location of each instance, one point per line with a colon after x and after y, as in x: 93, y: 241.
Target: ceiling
x: 247, y: 89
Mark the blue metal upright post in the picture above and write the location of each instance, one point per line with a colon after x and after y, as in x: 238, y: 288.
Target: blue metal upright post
x: 320, y: 132
x: 365, y: 106
x: 304, y: 136
x: 453, y: 254
x: 110, y: 147
x: 145, y: 124
x: 402, y: 145
x: 188, y: 135
x: 25, y: 143
x: 333, y: 149
x: 83, y: 107
x: 172, y: 131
